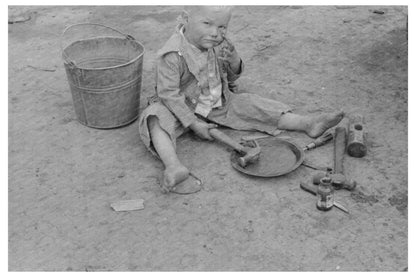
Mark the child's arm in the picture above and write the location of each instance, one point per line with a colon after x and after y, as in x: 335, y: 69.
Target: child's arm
x: 229, y: 54
x: 167, y: 83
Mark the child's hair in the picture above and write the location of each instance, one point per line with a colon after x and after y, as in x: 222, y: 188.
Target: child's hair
x: 188, y: 10
x: 191, y: 9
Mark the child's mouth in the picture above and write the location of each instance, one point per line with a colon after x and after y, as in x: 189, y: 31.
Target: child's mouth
x: 213, y: 42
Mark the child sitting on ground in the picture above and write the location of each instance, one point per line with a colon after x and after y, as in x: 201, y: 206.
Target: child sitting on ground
x: 195, y: 90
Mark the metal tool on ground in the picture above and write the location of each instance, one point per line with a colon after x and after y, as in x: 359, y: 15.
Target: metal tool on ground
x: 325, y: 195
x: 313, y: 190
x: 278, y: 157
x: 339, y: 180
x: 323, y: 139
x: 316, y: 167
x: 356, y: 146
x: 261, y: 136
x: 339, y: 149
x: 249, y: 152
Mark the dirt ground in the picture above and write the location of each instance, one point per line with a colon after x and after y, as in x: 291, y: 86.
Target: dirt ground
x: 63, y: 175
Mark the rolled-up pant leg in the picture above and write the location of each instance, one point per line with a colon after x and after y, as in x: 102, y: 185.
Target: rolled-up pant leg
x: 167, y: 121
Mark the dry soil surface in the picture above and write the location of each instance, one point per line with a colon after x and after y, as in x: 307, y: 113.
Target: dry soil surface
x: 63, y: 176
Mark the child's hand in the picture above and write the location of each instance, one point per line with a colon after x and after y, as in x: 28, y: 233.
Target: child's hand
x: 201, y: 129
x: 229, y: 54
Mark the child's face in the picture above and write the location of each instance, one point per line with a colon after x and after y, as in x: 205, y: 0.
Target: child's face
x: 206, y: 26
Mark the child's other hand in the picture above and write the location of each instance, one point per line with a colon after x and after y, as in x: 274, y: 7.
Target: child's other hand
x: 229, y: 54
x: 201, y: 129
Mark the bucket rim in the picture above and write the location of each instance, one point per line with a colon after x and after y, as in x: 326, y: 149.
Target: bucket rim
x: 108, y: 67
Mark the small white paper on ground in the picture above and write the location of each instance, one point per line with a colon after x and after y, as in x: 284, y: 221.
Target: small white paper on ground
x: 128, y: 205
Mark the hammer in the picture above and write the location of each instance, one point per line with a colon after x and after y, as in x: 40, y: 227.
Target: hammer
x: 339, y: 181
x: 249, y: 154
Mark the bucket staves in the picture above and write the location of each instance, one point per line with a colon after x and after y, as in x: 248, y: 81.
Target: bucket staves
x: 104, y: 75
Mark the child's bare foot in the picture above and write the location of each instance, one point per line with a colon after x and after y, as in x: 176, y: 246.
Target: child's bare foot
x: 172, y: 176
x: 319, y: 124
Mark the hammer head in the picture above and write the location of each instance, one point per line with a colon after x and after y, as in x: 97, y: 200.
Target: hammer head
x: 341, y: 182
x: 251, y: 153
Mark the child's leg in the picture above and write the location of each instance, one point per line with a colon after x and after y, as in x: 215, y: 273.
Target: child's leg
x: 314, y: 126
x: 175, y: 172
x: 248, y: 111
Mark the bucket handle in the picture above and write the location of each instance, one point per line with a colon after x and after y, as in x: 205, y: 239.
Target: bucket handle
x: 66, y: 58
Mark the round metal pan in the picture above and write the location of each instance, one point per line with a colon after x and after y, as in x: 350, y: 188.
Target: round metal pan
x: 277, y: 157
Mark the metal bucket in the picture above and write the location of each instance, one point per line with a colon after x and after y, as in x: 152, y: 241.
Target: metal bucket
x: 105, y: 76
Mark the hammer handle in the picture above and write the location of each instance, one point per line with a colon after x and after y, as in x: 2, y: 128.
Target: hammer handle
x: 339, y: 149
x: 308, y: 188
x: 220, y: 136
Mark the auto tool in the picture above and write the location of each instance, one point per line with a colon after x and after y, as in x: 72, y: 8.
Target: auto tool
x: 325, y: 195
x: 313, y: 190
x: 356, y: 146
x: 339, y: 180
x: 321, y: 168
x: 339, y: 149
x: 249, y: 152
x: 323, y: 139
x: 279, y: 157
